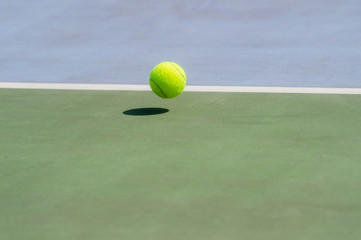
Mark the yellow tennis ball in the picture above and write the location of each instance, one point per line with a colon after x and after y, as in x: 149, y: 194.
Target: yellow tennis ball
x: 167, y: 80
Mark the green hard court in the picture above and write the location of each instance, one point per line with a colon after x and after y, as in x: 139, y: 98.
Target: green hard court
x: 129, y: 165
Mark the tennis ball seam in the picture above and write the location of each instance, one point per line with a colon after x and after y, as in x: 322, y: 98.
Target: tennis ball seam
x: 172, y: 64
x: 158, y: 88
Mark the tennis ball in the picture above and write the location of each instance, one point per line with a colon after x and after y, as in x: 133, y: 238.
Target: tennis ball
x: 167, y: 80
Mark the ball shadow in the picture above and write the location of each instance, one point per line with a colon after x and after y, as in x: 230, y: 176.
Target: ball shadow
x: 145, y: 111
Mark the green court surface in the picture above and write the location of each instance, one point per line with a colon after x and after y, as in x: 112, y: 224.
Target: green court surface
x: 215, y: 166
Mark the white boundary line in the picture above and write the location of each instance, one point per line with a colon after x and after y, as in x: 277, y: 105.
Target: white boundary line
x: 273, y: 89
x: 132, y: 87
x: 74, y: 86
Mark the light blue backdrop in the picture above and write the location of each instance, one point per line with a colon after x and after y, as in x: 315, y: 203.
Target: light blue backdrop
x: 244, y: 42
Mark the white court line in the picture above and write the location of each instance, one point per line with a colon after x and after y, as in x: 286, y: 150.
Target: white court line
x: 74, y: 86
x: 273, y: 89
x: 132, y: 87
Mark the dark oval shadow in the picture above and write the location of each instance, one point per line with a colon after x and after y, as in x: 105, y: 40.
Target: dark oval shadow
x: 145, y: 111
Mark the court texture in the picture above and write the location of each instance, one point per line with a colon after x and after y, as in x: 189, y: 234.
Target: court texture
x: 264, y: 143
